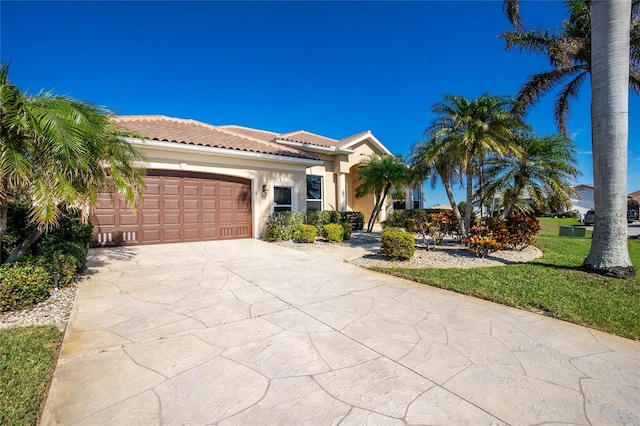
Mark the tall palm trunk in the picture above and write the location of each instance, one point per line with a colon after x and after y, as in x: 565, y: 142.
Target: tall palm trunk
x: 469, y: 209
x: 4, y: 211
x: 456, y: 211
x: 610, y: 27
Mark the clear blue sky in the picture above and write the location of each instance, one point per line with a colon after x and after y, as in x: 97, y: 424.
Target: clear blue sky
x: 333, y: 68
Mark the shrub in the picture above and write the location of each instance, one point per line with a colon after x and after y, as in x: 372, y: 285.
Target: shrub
x: 22, y: 286
x: 320, y: 218
x: 307, y: 234
x: 63, y: 264
x: 482, y: 245
x: 397, y: 244
x: 75, y: 250
x: 283, y: 226
x: 346, y: 231
x: 481, y: 240
x: 521, y: 230
x: 355, y: 219
x: 333, y: 232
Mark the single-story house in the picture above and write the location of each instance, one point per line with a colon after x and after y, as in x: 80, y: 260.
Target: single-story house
x: 207, y: 182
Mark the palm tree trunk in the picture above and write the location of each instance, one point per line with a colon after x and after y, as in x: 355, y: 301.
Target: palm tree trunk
x: 4, y: 211
x: 454, y: 206
x: 377, y: 208
x: 610, y: 27
x: 24, y: 246
x: 469, y: 209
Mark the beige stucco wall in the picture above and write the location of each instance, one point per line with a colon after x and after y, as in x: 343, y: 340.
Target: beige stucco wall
x: 260, y: 171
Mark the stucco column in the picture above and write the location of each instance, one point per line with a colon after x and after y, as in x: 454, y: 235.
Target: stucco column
x: 342, y: 196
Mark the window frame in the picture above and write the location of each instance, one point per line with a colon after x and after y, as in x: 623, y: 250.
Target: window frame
x: 277, y: 207
x: 321, y: 192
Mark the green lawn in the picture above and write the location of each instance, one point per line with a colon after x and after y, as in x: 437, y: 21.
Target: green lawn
x: 552, y: 285
x: 27, y: 360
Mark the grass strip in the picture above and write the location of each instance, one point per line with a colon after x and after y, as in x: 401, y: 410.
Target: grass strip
x: 552, y: 285
x: 27, y: 360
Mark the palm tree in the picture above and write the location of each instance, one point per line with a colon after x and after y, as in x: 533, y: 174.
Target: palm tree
x: 378, y: 175
x: 569, y: 51
x: 544, y: 167
x: 428, y: 159
x: 464, y: 129
x: 601, y: 38
x: 58, y: 154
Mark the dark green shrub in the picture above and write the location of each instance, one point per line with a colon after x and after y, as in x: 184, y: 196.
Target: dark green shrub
x: 22, y: 286
x: 317, y: 218
x: 320, y: 218
x: 70, y: 229
x: 347, y: 229
x: 283, y: 226
x: 75, y: 250
x: 397, y: 244
x: 333, y: 232
x: 355, y: 219
x: 307, y: 234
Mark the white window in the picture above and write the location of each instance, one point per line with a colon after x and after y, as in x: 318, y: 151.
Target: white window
x: 314, y: 192
x: 282, y: 196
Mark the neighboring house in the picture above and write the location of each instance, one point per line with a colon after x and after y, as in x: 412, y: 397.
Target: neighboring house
x: 208, y: 182
x: 584, y: 201
x: 635, y: 195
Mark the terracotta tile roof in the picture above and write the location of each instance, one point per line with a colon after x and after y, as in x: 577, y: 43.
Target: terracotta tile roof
x: 192, y: 132
x: 263, y: 135
x: 350, y: 139
x: 635, y: 194
x: 303, y: 136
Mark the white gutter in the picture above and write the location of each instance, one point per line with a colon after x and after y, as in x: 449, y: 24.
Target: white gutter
x: 315, y: 148
x: 375, y: 142
x: 222, y: 152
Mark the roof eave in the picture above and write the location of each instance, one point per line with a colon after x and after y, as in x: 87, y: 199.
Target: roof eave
x: 375, y: 141
x: 314, y: 148
x: 223, y: 152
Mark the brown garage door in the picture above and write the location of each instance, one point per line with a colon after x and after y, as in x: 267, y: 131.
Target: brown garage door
x: 178, y: 206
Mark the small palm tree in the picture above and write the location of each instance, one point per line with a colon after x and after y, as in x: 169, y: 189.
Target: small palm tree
x: 58, y: 154
x: 464, y: 129
x: 378, y: 176
x: 543, y: 169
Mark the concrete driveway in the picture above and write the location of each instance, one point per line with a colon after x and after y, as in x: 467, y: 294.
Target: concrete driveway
x: 247, y: 332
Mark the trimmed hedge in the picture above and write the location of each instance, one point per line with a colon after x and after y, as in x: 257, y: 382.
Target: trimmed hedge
x: 23, y: 286
x: 334, y: 233
x: 397, y: 244
x: 347, y: 229
x: 307, y: 234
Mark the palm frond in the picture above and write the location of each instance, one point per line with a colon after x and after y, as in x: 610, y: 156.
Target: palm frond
x: 563, y: 102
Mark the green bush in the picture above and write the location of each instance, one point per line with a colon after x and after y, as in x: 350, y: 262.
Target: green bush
x: 283, y: 226
x: 320, y: 218
x: 22, y: 286
x: 347, y: 229
x: 355, y: 219
x: 333, y: 232
x: 64, y: 265
x: 397, y: 244
x: 307, y: 234
x: 75, y: 250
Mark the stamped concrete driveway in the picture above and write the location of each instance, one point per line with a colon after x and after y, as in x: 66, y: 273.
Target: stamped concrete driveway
x: 246, y: 332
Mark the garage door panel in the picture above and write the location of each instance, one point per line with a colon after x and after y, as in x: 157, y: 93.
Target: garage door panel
x: 171, y: 203
x: 191, y: 204
x: 171, y: 218
x: 149, y: 218
x: 191, y: 218
x: 178, y: 206
x: 209, y: 218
